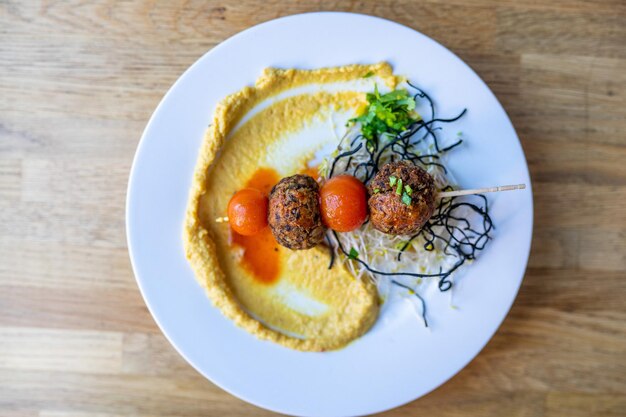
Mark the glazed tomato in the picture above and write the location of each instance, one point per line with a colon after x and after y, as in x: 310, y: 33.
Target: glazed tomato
x: 343, y: 202
x: 247, y: 211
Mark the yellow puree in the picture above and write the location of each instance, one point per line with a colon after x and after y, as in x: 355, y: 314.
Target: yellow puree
x: 227, y: 160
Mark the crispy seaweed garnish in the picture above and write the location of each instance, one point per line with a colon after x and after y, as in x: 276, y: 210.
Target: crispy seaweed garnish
x: 461, y: 226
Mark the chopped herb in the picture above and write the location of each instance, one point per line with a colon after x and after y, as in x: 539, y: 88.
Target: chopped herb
x: 406, y: 199
x: 399, y: 187
x: 392, y: 181
x: 392, y: 113
x: 376, y: 190
x: 408, y: 189
x: 369, y: 74
x: 353, y: 254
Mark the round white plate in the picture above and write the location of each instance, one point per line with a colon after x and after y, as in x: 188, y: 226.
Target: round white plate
x: 398, y: 360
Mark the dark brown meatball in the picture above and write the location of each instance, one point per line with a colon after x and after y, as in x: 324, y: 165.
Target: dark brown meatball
x: 388, y: 212
x: 294, y: 212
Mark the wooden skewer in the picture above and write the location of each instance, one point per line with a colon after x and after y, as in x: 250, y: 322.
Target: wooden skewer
x: 446, y: 194
x: 457, y: 193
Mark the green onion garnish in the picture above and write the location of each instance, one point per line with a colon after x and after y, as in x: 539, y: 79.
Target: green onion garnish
x: 399, y: 187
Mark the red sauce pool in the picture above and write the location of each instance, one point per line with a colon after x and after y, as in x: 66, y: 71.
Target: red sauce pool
x: 260, y: 255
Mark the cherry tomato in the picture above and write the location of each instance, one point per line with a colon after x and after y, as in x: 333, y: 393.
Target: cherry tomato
x: 343, y: 201
x: 247, y: 211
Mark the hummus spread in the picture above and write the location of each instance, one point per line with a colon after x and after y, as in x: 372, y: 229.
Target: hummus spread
x: 256, y: 136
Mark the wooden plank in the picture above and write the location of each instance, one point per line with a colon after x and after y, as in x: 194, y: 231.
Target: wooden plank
x: 595, y: 7
x: 561, y: 32
x: 50, y: 222
x: 98, y: 308
x: 152, y: 354
x: 578, y: 352
x: 53, y: 135
x: 23, y: 348
x: 10, y: 179
x: 583, y: 98
x: 573, y: 289
x: 126, y: 394
x: 552, y: 160
x: 443, y: 402
x: 51, y: 264
x: 81, y: 413
x: 583, y: 405
x: 595, y: 248
x: 46, y: 180
x: 579, y: 205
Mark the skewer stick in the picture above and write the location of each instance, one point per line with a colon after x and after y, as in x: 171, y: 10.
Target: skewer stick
x: 457, y: 193
x: 446, y: 194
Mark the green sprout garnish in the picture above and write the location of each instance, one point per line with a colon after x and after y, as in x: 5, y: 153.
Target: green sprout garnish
x: 353, y: 253
x: 408, y: 189
x: 400, y: 245
x: 369, y: 74
x: 387, y: 113
x: 392, y: 181
x: 376, y: 190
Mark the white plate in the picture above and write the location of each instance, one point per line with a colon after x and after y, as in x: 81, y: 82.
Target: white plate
x: 398, y: 360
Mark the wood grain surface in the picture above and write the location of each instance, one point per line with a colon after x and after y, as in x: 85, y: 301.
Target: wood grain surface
x: 78, y: 82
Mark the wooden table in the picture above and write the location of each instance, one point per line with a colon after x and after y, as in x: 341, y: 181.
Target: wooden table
x: 78, y: 82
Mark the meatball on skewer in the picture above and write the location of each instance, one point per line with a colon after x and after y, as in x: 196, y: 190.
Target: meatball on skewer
x: 294, y: 212
x: 401, y: 198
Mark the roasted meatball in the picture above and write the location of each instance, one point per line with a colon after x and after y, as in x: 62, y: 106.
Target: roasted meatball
x: 401, y: 209
x: 294, y: 212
